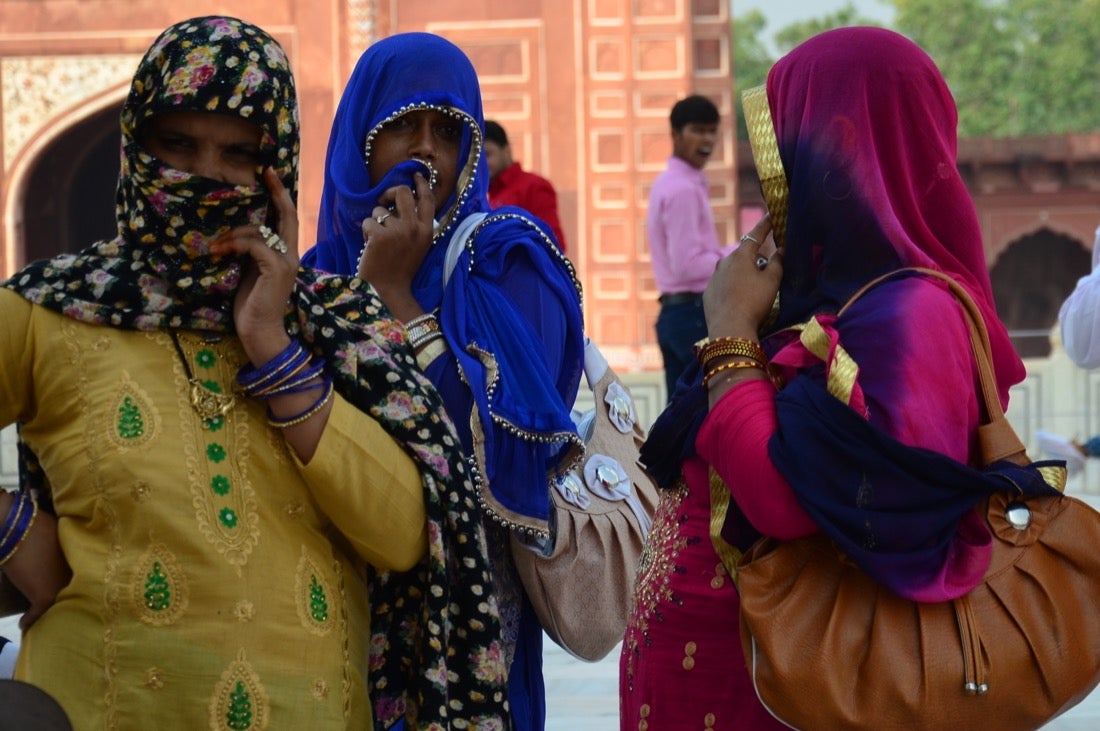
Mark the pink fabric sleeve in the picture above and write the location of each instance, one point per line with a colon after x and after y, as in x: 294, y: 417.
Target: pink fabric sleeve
x: 734, y: 440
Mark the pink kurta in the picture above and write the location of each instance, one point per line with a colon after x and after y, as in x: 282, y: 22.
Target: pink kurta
x: 681, y: 665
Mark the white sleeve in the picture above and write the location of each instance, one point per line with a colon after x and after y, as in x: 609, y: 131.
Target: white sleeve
x: 8, y: 653
x: 1080, y: 316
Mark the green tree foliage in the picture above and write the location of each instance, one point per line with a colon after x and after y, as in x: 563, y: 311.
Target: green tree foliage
x: 751, y: 58
x: 1016, y: 67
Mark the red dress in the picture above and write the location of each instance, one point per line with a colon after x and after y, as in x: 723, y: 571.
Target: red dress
x: 681, y: 665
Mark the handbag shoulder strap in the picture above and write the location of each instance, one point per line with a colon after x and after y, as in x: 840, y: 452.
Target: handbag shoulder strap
x: 996, y: 437
x: 463, y: 233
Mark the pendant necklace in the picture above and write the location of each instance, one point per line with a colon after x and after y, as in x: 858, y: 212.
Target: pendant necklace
x: 207, y: 403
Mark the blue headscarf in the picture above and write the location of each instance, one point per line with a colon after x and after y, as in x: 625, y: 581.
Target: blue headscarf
x: 492, y: 340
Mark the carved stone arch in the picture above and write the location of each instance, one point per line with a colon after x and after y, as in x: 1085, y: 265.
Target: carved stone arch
x: 61, y: 185
x: 1005, y: 234
x: 1031, y: 278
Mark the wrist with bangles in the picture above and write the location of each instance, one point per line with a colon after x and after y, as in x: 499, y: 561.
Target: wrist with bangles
x: 17, y: 525
x: 725, y: 354
x: 422, y: 330
x: 294, y: 370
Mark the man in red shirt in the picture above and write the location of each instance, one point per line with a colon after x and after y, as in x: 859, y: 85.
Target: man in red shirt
x: 511, y: 185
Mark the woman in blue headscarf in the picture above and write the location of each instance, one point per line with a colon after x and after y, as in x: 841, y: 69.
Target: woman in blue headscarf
x: 490, y: 305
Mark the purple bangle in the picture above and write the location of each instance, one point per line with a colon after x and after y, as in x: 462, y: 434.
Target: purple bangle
x: 18, y: 505
x: 22, y: 526
x: 282, y: 423
x: 253, y: 379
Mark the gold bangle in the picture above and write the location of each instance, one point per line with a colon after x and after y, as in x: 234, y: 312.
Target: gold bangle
x: 708, y: 349
x: 429, y: 352
x: 729, y: 367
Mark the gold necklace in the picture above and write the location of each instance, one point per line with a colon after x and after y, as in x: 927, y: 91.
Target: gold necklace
x: 208, y: 404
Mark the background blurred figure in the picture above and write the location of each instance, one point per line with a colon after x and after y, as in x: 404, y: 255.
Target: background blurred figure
x: 1080, y: 316
x: 683, y: 241
x: 511, y: 185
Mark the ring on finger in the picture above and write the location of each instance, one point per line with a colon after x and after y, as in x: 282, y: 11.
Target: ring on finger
x: 750, y: 237
x: 761, y: 262
x: 381, y: 218
x: 273, y: 240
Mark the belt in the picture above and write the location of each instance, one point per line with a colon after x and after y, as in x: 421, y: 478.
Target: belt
x: 680, y: 298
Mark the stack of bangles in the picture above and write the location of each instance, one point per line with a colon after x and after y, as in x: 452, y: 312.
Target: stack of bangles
x: 292, y: 371
x: 17, y: 525
x: 715, y: 354
x: 422, y: 330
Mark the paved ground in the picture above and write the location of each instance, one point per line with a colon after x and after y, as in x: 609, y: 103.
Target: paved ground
x: 583, y: 696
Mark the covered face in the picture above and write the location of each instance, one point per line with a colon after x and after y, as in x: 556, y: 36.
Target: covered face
x: 205, y: 81
x: 411, y: 96
x: 210, y: 83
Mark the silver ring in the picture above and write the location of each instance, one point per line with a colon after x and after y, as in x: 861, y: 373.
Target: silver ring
x: 749, y: 237
x: 381, y: 218
x: 761, y: 262
x: 273, y: 240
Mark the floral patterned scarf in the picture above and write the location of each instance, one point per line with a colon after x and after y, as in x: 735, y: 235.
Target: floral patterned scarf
x: 157, y: 273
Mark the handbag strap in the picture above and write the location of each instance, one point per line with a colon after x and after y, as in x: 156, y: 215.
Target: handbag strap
x: 462, y: 235
x: 997, y: 440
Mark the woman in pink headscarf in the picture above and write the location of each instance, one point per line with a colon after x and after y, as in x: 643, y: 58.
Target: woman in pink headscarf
x: 864, y: 127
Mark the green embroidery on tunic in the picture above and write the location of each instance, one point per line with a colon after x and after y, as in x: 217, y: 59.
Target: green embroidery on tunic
x: 318, y: 603
x: 228, y: 517
x: 131, y: 424
x: 158, y: 592
x: 239, y: 715
x: 206, y: 358
x: 220, y: 485
x: 215, y: 452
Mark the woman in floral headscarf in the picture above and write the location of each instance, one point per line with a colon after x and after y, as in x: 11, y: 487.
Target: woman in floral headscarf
x: 491, y: 305
x: 222, y: 463
x: 869, y: 419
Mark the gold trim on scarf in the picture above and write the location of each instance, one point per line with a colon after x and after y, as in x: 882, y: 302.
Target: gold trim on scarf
x: 765, y: 152
x: 842, y: 370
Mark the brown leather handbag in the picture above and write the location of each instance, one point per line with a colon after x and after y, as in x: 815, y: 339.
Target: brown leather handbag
x: 829, y: 648
x: 583, y: 592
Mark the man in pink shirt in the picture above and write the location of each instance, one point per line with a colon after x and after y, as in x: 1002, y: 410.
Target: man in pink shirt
x: 683, y: 242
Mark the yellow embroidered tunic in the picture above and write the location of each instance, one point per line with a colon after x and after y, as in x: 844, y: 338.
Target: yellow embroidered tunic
x: 215, y: 578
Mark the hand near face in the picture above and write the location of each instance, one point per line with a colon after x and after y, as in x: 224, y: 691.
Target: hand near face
x: 396, y: 239
x: 742, y: 290
x: 268, y: 279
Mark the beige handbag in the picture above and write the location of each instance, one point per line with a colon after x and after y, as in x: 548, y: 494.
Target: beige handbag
x: 582, y: 592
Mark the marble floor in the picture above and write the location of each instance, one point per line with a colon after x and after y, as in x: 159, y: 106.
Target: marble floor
x: 582, y: 696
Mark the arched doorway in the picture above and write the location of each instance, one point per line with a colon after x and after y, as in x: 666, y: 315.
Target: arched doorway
x: 1031, y: 279
x: 70, y: 193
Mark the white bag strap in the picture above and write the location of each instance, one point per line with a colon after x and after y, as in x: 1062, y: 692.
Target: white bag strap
x: 595, y: 365
x: 462, y: 234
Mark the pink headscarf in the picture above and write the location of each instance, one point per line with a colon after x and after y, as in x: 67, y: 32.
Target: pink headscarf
x: 867, y: 134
